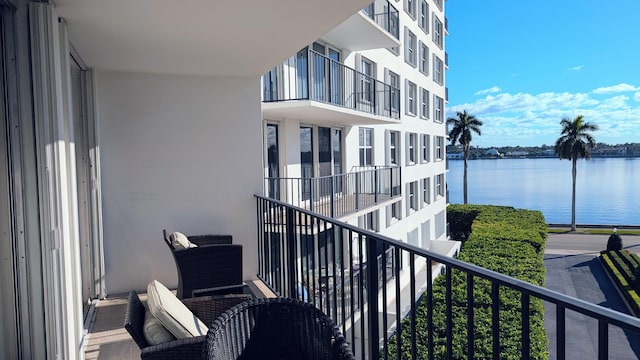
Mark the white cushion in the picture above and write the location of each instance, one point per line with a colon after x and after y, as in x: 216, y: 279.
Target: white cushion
x: 180, y: 241
x: 154, y: 332
x: 172, y: 313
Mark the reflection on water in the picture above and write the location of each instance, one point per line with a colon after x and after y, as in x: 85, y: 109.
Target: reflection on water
x: 607, y: 189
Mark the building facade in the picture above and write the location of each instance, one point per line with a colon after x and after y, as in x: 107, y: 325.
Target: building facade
x: 121, y: 119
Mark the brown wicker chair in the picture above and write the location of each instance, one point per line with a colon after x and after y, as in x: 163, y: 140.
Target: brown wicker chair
x: 277, y: 328
x: 214, y: 267
x: 206, y: 308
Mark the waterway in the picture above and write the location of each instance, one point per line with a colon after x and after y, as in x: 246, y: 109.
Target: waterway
x: 607, y: 189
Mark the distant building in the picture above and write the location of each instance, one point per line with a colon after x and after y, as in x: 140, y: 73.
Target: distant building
x: 455, y: 156
x: 516, y: 153
x: 492, y: 152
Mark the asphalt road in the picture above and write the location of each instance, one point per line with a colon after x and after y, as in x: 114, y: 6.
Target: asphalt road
x: 574, y: 269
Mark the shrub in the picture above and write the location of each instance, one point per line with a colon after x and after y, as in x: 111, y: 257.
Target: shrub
x: 623, y: 268
x: 503, y: 239
x: 614, y: 243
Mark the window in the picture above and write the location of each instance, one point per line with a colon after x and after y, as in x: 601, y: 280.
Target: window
x: 411, y: 98
x: 438, y: 70
x: 426, y: 191
x: 412, y: 237
x: 366, y: 147
x: 438, y: 108
x: 423, y: 18
x: 410, y: 7
x: 424, y: 103
x: 424, y: 59
x: 392, y: 100
x: 412, y: 197
x: 439, y: 186
x: 439, y: 3
x: 440, y: 220
x: 394, y: 139
x: 424, y: 153
x: 410, y: 47
x: 412, y: 148
x: 366, y: 80
x: 425, y: 234
x: 393, y: 213
x: 437, y: 31
x: 369, y: 221
x: 439, y: 148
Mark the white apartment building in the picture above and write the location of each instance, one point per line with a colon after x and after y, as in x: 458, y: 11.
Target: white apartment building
x: 123, y: 118
x: 359, y: 113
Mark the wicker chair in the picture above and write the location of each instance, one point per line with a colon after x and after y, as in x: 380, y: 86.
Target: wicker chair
x: 206, y: 308
x: 214, y: 267
x: 277, y: 328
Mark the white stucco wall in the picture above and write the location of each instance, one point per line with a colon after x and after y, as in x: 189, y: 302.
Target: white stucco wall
x: 178, y: 152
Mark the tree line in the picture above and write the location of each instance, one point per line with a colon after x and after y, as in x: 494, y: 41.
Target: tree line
x: 599, y: 150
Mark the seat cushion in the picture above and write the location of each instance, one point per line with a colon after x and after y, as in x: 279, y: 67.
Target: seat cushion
x: 154, y: 332
x: 180, y: 241
x: 172, y: 313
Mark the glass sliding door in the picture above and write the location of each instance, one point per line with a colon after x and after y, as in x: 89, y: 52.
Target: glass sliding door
x: 306, y: 162
x: 336, y: 76
x: 319, y: 73
x: 324, y: 161
x: 336, y: 146
x: 302, y: 74
x: 273, y: 162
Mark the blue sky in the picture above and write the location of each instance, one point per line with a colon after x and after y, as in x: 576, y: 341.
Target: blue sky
x: 522, y: 66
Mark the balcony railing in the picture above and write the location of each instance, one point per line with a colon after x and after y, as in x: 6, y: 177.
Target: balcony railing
x: 327, y: 262
x: 385, y: 15
x: 338, y: 195
x: 309, y: 75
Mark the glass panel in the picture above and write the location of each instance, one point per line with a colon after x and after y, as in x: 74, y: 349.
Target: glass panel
x: 306, y: 161
x: 335, y: 74
x: 273, y: 162
x: 336, y: 145
x: 319, y: 73
x: 302, y: 71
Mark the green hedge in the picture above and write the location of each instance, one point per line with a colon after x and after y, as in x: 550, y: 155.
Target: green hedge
x: 620, y: 264
x: 503, y: 239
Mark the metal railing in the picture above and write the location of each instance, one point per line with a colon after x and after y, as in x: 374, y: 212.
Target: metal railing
x: 309, y: 75
x: 338, y: 195
x: 326, y: 262
x: 385, y: 15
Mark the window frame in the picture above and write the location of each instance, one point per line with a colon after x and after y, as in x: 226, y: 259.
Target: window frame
x: 411, y: 102
x: 425, y: 153
x: 438, y: 70
x: 411, y: 47
x: 438, y: 31
x: 410, y: 8
x: 423, y: 58
x: 438, y: 109
x: 426, y: 191
x: 423, y: 16
x: 363, y: 147
x: 425, y: 97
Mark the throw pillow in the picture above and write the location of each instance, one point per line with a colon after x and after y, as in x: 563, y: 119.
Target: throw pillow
x: 172, y: 313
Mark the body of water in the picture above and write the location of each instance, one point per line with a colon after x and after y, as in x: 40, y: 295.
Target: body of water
x: 607, y: 189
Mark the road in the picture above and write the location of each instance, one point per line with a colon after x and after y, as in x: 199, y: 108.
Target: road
x: 574, y: 269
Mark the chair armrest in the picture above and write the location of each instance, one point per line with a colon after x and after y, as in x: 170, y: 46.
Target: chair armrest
x: 208, y: 308
x: 209, y: 239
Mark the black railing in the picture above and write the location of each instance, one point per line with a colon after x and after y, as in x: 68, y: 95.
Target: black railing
x: 309, y: 75
x: 385, y: 15
x: 338, y: 195
x: 326, y: 262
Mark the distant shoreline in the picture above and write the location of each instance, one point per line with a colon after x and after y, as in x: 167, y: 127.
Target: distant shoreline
x: 545, y: 157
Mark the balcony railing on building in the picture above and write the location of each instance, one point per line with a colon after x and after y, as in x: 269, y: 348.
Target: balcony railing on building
x: 338, y: 195
x: 328, y: 263
x: 385, y: 15
x: 309, y: 75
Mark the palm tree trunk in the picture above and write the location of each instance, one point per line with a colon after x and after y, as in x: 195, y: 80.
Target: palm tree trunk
x: 573, y: 196
x: 466, y: 156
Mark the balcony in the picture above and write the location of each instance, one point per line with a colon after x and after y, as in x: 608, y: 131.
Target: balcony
x: 315, y: 88
x: 376, y: 26
x: 329, y: 263
x: 340, y: 195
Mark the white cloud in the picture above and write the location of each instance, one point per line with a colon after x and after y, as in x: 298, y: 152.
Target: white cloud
x: 576, y: 68
x: 533, y: 119
x: 490, y: 90
x: 622, y: 87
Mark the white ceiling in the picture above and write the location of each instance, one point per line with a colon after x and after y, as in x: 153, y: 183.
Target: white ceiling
x: 197, y: 37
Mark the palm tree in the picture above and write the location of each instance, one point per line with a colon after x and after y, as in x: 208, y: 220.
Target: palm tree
x: 460, y: 132
x: 574, y: 143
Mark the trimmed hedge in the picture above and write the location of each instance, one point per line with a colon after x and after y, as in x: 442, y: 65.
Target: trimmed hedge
x: 621, y: 265
x: 503, y: 239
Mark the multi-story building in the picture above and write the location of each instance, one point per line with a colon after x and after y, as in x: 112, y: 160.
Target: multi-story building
x: 354, y: 123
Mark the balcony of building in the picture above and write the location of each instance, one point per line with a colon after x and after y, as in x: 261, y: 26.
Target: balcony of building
x: 376, y: 26
x: 312, y: 87
x: 342, y: 195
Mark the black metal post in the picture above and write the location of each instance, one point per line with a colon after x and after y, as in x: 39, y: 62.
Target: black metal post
x: 372, y: 299
x: 291, y: 247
